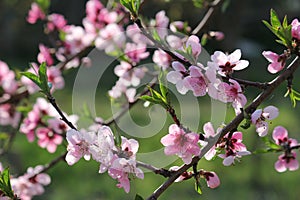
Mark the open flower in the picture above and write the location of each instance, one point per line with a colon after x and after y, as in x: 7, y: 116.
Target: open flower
x: 184, y: 145
x: 260, y: 116
x: 176, y: 77
x: 226, y: 64
x: 277, y: 62
x: 79, y: 145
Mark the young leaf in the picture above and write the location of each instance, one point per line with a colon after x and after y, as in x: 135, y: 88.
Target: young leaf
x: 275, y: 22
x: 197, y: 187
x: 162, y: 85
x: 44, y: 78
x: 5, y: 185
x: 34, y: 78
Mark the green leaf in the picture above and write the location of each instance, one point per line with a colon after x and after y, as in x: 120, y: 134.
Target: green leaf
x: 44, y: 78
x: 44, y: 4
x: 34, y: 78
x: 197, y: 187
x: 162, y: 85
x: 138, y: 197
x: 275, y: 22
x: 150, y: 99
x: 271, y: 144
x: 5, y: 185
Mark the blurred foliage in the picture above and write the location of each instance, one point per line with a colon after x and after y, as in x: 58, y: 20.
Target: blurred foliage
x: 253, y: 178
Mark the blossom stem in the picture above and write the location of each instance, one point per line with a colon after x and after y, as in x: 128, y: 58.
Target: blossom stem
x: 63, y: 117
x: 161, y: 171
x: 259, y: 85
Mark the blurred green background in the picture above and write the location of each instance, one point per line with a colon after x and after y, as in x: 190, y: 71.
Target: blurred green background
x: 253, y: 178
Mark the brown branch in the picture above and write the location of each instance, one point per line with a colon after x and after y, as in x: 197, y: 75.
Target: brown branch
x: 54, y: 162
x: 63, y: 117
x: 256, y: 84
x: 161, y: 171
x: 159, y: 45
x: 210, y: 11
x: 232, y: 125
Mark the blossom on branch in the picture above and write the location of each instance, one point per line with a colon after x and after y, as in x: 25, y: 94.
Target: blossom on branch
x: 226, y: 64
x: 288, y: 159
x: 182, y: 144
x: 259, y: 117
x: 277, y: 62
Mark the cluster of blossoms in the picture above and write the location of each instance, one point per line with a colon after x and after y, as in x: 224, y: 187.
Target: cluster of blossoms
x: 43, y: 121
x: 277, y: 62
x: 103, y: 29
x: 29, y: 184
x: 231, y: 144
x: 119, y: 161
x: 288, y: 159
x: 204, y: 80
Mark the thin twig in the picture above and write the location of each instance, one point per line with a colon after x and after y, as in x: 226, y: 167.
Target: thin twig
x: 63, y: 117
x: 161, y: 171
x: 206, y: 17
x: 232, y: 125
x: 256, y: 84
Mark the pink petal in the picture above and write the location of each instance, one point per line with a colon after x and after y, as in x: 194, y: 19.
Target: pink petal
x: 279, y: 133
x: 256, y: 115
x: 262, y: 128
x: 214, y: 181
x: 174, y: 77
x: 242, y: 64
x: 178, y: 66
x: 280, y: 166
x: 235, y: 56
x: 228, y: 160
x: 208, y: 129
x: 180, y: 86
x: 270, y: 112
x: 293, y: 165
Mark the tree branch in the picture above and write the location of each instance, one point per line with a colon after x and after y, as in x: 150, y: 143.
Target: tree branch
x: 232, y: 125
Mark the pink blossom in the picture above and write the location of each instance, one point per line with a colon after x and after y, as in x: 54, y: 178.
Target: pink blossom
x: 55, y: 77
x: 260, y: 116
x: 103, y: 149
x: 184, y: 145
x: 107, y: 16
x: 161, y: 23
x: 277, y: 62
x: 179, y: 26
x: 7, y: 79
x: 232, y: 92
x: 212, y: 179
x: 110, y: 38
x: 9, y: 115
x: 296, y: 29
x: 287, y: 162
x: 93, y: 8
x: 161, y: 58
x: 79, y: 145
x: 56, y: 22
x: 226, y: 64
x: 44, y: 55
x: 136, y: 52
x: 135, y: 34
x: 288, y: 159
x: 48, y: 139
x: 35, y: 13
x: 216, y: 35
x: 31, y: 183
x: 176, y: 77
x: 196, y: 81
x: 30, y: 123
x: 209, y: 131
x: 234, y: 148
x: 194, y: 43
